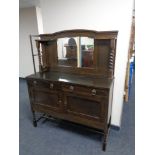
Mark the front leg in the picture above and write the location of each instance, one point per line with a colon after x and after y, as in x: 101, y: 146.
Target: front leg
x: 34, y: 119
x: 104, y: 142
x: 106, y: 133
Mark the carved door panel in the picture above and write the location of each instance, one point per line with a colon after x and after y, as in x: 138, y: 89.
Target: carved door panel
x: 84, y: 106
x: 46, y: 98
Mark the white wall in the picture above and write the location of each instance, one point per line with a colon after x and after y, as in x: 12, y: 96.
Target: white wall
x: 39, y: 20
x: 27, y: 25
x: 96, y: 15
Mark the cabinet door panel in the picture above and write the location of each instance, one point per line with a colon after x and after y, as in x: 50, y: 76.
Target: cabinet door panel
x: 83, y: 106
x: 47, y: 99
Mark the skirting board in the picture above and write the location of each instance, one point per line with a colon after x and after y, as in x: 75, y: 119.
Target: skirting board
x: 114, y: 127
x: 21, y: 78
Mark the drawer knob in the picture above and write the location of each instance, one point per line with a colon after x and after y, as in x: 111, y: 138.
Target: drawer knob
x: 51, y: 85
x: 93, y: 92
x: 34, y: 82
x: 65, y: 104
x: 71, y: 88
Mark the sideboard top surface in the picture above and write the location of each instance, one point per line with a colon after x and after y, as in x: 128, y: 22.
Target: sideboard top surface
x: 94, y: 81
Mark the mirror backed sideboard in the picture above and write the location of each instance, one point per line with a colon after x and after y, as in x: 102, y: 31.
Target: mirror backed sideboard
x: 75, y: 79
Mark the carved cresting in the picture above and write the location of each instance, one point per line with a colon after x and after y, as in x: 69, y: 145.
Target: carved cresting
x: 112, y: 57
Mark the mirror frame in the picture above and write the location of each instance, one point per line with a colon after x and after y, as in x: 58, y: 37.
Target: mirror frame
x: 97, y: 35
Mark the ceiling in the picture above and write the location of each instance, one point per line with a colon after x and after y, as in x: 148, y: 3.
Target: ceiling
x: 28, y: 3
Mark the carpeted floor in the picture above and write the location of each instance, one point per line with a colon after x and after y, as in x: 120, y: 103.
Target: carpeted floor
x: 53, y: 138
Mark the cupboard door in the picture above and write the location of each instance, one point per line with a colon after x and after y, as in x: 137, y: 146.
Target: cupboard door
x: 84, y: 106
x: 50, y: 100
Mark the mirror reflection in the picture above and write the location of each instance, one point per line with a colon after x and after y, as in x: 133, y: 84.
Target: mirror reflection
x: 87, y: 50
x: 67, y: 52
x: 75, y: 51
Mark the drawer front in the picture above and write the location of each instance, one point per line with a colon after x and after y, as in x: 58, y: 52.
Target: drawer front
x: 89, y: 91
x: 44, y: 85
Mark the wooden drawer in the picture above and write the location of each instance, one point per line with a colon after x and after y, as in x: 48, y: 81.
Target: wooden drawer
x: 90, y: 91
x: 38, y: 84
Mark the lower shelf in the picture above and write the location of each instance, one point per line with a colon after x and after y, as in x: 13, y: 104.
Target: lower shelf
x: 83, y: 127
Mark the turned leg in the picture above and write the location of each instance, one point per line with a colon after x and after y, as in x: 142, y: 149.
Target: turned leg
x: 104, y: 142
x: 34, y: 119
x: 106, y: 133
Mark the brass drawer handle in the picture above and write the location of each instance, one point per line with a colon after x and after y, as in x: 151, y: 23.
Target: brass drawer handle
x: 34, y: 82
x: 65, y: 104
x: 59, y: 101
x: 93, y: 92
x: 71, y: 88
x: 51, y: 85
